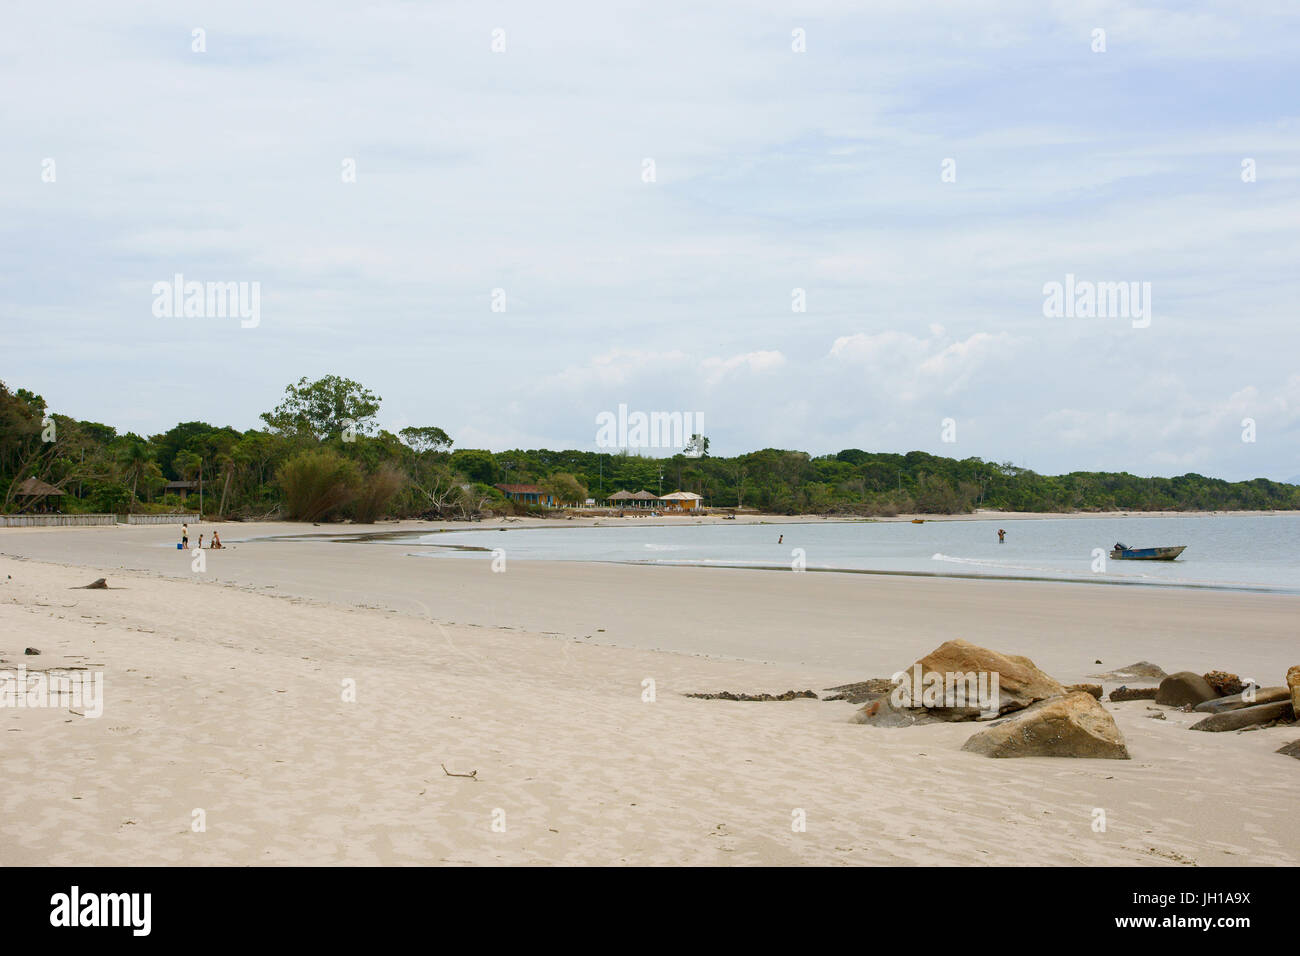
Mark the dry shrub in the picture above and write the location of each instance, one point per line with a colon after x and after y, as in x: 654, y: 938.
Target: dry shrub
x: 317, y: 483
x: 377, y: 492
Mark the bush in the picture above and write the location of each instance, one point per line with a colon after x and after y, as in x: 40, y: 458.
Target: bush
x: 109, y: 497
x: 317, y: 483
x: 376, y: 493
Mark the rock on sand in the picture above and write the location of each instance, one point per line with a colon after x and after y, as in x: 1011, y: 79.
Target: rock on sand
x: 1072, y: 726
x: 1263, y: 695
x: 1246, y: 717
x: 1185, y: 688
x: 1020, y: 683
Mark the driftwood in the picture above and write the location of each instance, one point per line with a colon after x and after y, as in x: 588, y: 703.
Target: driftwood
x: 473, y: 774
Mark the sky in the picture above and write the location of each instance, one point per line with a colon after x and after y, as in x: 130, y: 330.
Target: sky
x: 815, y: 225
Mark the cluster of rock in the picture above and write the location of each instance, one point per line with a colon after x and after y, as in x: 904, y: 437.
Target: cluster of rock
x: 1036, y: 715
x: 728, y: 695
x: 1229, y: 702
x: 862, y: 691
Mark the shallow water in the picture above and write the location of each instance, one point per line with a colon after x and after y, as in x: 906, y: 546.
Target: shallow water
x: 1253, y: 552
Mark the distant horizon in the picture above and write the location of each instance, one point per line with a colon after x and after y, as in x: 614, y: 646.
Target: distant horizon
x: 946, y: 452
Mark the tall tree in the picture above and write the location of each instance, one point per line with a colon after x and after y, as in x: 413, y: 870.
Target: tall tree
x: 328, y: 407
x: 426, y: 438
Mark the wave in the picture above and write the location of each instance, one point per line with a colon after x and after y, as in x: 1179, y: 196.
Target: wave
x: 1003, y: 565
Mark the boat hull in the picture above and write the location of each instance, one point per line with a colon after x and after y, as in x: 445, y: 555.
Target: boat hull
x: 1148, y: 554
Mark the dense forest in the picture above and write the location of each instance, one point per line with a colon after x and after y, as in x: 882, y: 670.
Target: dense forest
x: 322, y: 456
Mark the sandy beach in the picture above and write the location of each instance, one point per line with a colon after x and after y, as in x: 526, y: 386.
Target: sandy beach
x: 224, y: 694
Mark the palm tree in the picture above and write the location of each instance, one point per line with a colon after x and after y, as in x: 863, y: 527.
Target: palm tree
x: 135, y: 459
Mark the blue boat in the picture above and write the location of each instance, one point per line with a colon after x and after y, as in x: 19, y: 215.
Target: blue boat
x: 1122, y: 552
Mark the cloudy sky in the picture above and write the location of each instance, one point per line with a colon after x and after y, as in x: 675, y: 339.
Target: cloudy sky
x: 647, y: 184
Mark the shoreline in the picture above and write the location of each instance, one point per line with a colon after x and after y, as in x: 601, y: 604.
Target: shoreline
x: 562, y: 519
x: 403, y: 536
x: 380, y: 533
x: 538, y: 595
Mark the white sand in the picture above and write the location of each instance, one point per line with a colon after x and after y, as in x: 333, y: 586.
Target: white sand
x: 224, y: 693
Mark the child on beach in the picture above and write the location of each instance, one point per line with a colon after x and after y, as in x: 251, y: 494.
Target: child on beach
x: 200, y: 542
x: 216, y: 542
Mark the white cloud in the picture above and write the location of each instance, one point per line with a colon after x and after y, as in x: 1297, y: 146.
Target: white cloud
x: 717, y: 370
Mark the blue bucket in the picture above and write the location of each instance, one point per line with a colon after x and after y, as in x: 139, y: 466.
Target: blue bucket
x: 179, y: 546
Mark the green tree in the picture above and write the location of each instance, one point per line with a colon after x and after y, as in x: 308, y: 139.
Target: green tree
x: 565, y: 487
x: 426, y: 438
x: 477, y: 465
x: 135, y: 459
x: 327, y: 407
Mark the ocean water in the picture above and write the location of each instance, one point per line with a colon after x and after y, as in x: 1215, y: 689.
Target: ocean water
x: 1251, y: 552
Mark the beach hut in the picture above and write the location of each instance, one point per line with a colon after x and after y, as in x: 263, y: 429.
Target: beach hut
x: 32, y: 493
x: 528, y: 495
x: 181, y: 488
x: 682, y: 501
x: 644, y: 499
x: 620, y: 499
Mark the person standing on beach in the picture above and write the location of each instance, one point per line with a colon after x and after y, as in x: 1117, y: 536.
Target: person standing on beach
x: 1002, y: 536
x: 200, y: 542
x: 780, y: 539
x: 185, y: 536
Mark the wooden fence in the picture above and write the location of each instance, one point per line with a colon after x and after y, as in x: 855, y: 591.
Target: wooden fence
x: 163, y: 519
x: 54, y: 521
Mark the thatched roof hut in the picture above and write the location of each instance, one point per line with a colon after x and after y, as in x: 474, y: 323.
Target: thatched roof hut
x: 35, y: 488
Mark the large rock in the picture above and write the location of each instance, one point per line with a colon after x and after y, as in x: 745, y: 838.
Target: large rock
x: 1262, y: 695
x: 1142, y: 670
x: 1020, y: 683
x: 1246, y: 717
x: 1072, y: 726
x: 1293, y: 681
x: 1291, y: 750
x: 1093, y: 689
x: 1185, y: 688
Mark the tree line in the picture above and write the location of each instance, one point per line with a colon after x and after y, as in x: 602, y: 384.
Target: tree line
x: 321, y: 455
